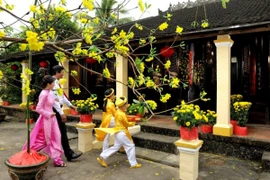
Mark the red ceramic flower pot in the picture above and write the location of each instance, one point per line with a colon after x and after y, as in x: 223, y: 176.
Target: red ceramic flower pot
x: 133, y: 118
x: 241, y: 131
x: 73, y: 112
x: 30, y: 120
x: 6, y: 103
x: 205, y: 128
x: 86, y: 118
x: 33, y: 107
x: 233, y: 123
x: 187, y: 134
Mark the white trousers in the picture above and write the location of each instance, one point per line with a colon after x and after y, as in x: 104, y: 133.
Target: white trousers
x: 107, y: 137
x: 121, y: 140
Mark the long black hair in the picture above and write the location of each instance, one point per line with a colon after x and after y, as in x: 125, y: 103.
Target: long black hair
x: 107, y: 94
x: 48, y: 79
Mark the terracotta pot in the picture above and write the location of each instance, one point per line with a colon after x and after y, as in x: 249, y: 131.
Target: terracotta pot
x: 86, y: 118
x: 30, y: 120
x: 33, y: 107
x: 234, y: 123
x: 73, y: 112
x: 187, y: 134
x: 36, y: 171
x: 205, y: 128
x: 6, y: 103
x: 133, y: 118
x: 241, y: 131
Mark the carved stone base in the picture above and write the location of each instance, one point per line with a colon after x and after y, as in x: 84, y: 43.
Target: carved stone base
x: 35, y: 172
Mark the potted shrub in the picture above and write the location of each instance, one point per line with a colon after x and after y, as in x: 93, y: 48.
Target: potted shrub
x: 234, y: 98
x: 27, y: 164
x: 209, y: 121
x: 86, y: 108
x: 188, y: 117
x: 241, y: 113
x: 140, y: 109
x: 10, y: 83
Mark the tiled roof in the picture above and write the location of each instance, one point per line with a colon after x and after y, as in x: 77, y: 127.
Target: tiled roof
x: 238, y: 12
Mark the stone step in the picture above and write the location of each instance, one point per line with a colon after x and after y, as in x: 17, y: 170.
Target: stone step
x: 156, y: 142
x: 266, y: 161
x: 159, y: 130
x: 264, y: 176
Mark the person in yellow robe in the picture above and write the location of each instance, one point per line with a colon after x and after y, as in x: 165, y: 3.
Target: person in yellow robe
x: 122, y: 136
x: 109, y: 110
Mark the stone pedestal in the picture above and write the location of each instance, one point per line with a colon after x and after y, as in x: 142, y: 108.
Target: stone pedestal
x: 132, y: 130
x: 188, y: 158
x: 85, y: 136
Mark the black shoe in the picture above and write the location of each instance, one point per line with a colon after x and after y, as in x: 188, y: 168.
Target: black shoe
x: 74, y: 156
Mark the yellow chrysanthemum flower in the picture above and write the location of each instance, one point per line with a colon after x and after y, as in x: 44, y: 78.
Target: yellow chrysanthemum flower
x: 163, y: 26
x: 23, y: 47
x: 33, y: 8
x: 179, y: 30
x: 76, y: 90
x: 167, y: 65
x: 114, y: 30
x: 138, y: 26
x: 165, y: 98
x: 1, y: 75
x: 141, y: 6
x: 62, y: 81
x: 2, y: 34
x: 187, y: 124
x: 131, y: 81
x: 175, y: 82
x: 106, y: 72
x: 59, y: 91
x: 74, y: 73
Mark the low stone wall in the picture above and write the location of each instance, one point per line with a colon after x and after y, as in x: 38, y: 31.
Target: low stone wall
x: 240, y: 147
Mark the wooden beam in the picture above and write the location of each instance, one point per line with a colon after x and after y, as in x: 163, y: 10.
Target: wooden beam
x: 201, y: 35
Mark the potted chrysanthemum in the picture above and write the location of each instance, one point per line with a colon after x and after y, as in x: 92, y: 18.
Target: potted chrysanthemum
x: 234, y: 98
x: 86, y: 108
x: 208, y: 121
x: 188, y: 117
x: 241, y: 109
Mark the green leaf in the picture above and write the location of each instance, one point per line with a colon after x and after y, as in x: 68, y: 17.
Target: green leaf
x: 136, y: 101
x: 223, y: 2
x: 141, y: 110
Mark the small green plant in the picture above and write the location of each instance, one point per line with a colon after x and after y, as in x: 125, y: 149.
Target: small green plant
x: 141, y: 108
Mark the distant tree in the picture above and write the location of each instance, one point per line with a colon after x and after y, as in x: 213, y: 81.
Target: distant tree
x: 108, y: 11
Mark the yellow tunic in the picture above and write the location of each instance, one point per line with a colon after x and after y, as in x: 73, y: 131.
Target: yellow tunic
x: 106, y: 119
x: 121, y: 124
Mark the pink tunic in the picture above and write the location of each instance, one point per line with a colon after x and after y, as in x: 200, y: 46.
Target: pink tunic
x: 46, y: 135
